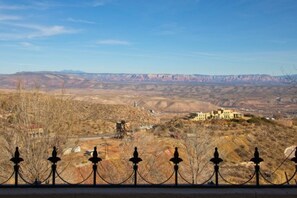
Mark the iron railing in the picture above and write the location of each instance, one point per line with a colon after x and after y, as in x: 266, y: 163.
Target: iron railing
x: 133, y: 177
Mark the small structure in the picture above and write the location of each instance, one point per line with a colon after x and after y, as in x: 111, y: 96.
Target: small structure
x: 121, y: 129
x: 35, y: 131
x: 135, y: 104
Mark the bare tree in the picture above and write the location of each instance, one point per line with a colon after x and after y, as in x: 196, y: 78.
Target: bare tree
x: 36, y: 123
x: 197, y: 145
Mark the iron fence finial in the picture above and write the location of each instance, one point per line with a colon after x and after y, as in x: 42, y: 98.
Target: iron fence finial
x: 54, y: 159
x: 216, y: 159
x: 257, y: 159
x: 135, y: 159
x: 176, y: 159
x: 16, y: 159
x: 95, y: 159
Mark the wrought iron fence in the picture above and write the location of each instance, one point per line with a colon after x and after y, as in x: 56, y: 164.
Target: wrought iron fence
x: 135, y: 174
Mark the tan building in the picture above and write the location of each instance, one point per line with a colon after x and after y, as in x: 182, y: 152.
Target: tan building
x: 198, y: 116
x: 36, y: 132
x: 216, y: 114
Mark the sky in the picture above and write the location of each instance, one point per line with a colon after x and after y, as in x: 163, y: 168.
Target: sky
x: 216, y: 37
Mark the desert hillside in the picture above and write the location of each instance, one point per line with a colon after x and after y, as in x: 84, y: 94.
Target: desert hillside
x: 84, y: 117
x: 36, y: 121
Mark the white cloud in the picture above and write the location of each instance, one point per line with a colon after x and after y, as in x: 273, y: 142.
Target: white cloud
x: 31, y: 4
x: 4, y: 17
x: 26, y: 44
x: 11, y: 36
x: 79, y: 21
x: 30, y: 31
x: 113, y: 42
x: 41, y: 31
x: 43, y: 4
x: 44, y: 31
x: 12, y: 7
x: 30, y: 46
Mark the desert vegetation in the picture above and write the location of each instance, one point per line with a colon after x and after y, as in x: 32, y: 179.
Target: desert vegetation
x: 36, y: 121
x: 236, y: 140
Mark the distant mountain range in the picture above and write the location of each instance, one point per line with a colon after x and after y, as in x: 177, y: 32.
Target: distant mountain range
x: 79, y: 79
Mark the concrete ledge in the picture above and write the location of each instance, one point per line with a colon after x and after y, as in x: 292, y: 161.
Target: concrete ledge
x: 141, y: 192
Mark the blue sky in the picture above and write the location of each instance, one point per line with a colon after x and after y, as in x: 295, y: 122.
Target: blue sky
x: 149, y: 36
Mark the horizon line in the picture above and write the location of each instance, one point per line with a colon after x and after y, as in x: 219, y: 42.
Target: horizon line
x: 127, y: 73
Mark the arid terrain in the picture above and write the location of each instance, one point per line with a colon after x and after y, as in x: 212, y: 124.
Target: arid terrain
x: 76, y: 113
x: 258, y: 94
